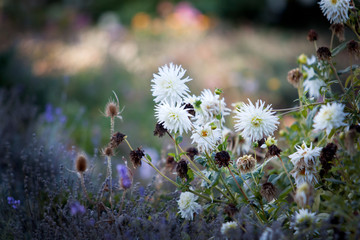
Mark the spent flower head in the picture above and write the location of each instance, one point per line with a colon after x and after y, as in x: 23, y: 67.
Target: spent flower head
x: 169, y: 84
x: 305, y: 156
x: 256, y: 121
x: 330, y: 116
x: 188, y: 205
x: 174, y: 117
x: 304, y: 174
x: 246, y: 163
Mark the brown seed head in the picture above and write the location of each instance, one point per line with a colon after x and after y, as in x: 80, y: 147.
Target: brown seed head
x: 338, y: 29
x: 116, y: 139
x: 353, y: 48
x: 273, y: 150
x: 135, y: 157
x: 111, y: 109
x: 182, y: 169
x: 81, y: 163
x: 268, y: 191
x: 108, y: 151
x: 323, y: 53
x: 294, y: 76
x: 231, y: 209
x: 222, y: 159
x: 160, y: 130
x: 312, y: 35
x: 246, y: 163
x: 170, y: 163
x: 192, y: 152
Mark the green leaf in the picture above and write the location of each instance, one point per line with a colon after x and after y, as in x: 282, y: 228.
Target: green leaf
x: 335, y: 181
x: 309, y: 119
x: 172, y: 155
x: 274, y: 178
x: 148, y: 157
x: 178, y: 139
x: 201, y: 160
x: 304, y: 113
x: 215, y: 176
x: 286, y: 192
x: 346, y: 70
x: 231, y: 182
x: 332, y: 133
x: 338, y: 49
x: 190, y: 175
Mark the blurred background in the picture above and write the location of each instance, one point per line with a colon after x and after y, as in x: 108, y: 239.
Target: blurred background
x: 66, y: 57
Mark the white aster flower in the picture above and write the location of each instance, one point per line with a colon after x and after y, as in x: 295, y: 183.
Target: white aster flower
x: 256, y: 121
x: 304, y: 174
x: 206, y: 137
x: 229, y: 226
x: 305, y: 156
x: 168, y: 84
x: 336, y: 11
x: 312, y: 83
x: 174, y: 117
x: 211, y: 106
x: 303, y: 219
x: 311, y: 60
x: 188, y: 205
x: 330, y: 116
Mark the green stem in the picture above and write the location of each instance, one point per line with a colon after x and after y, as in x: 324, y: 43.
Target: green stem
x: 287, y: 173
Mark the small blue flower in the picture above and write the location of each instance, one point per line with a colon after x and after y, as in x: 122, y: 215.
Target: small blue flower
x: 77, y: 208
x: 14, y: 203
x: 125, y: 176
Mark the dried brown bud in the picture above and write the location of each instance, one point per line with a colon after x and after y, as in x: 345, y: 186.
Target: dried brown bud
x: 339, y: 30
x: 81, y: 163
x: 222, y: 159
x: 268, y: 191
x: 160, y: 130
x: 273, y: 150
x: 170, y: 163
x: 182, y: 169
x: 135, y: 157
x: 323, y: 53
x: 312, y: 35
x: 246, y: 163
x: 116, y: 139
x: 353, y: 48
x: 192, y: 152
x: 326, y: 156
x: 190, y: 109
x: 108, y: 151
x: 231, y: 209
x: 294, y: 76
x: 111, y: 109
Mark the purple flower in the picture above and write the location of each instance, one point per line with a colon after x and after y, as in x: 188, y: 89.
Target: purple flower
x: 77, y: 208
x: 49, y: 116
x: 14, y: 203
x: 124, y: 175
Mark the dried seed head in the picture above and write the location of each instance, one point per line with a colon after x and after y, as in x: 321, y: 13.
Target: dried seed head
x: 294, y: 76
x: 111, y: 109
x: 231, y: 209
x: 190, y: 109
x: 108, y: 151
x: 135, y: 157
x: 339, y: 30
x: 312, y: 35
x: 261, y: 142
x: 353, y: 48
x: 268, y: 191
x: 273, y: 150
x: 160, y: 130
x: 182, y: 169
x: 116, y: 139
x: 222, y: 159
x: 323, y: 53
x: 81, y: 163
x: 192, y: 152
x: 170, y: 163
x: 304, y: 195
x: 326, y: 156
x: 246, y: 163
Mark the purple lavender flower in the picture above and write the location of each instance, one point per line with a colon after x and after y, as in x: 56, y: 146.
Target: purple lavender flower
x: 76, y: 208
x: 49, y: 116
x: 14, y: 203
x: 124, y: 175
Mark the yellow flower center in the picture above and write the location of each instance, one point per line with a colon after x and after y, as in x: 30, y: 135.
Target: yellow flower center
x: 204, y: 133
x: 256, y: 121
x: 334, y: 1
